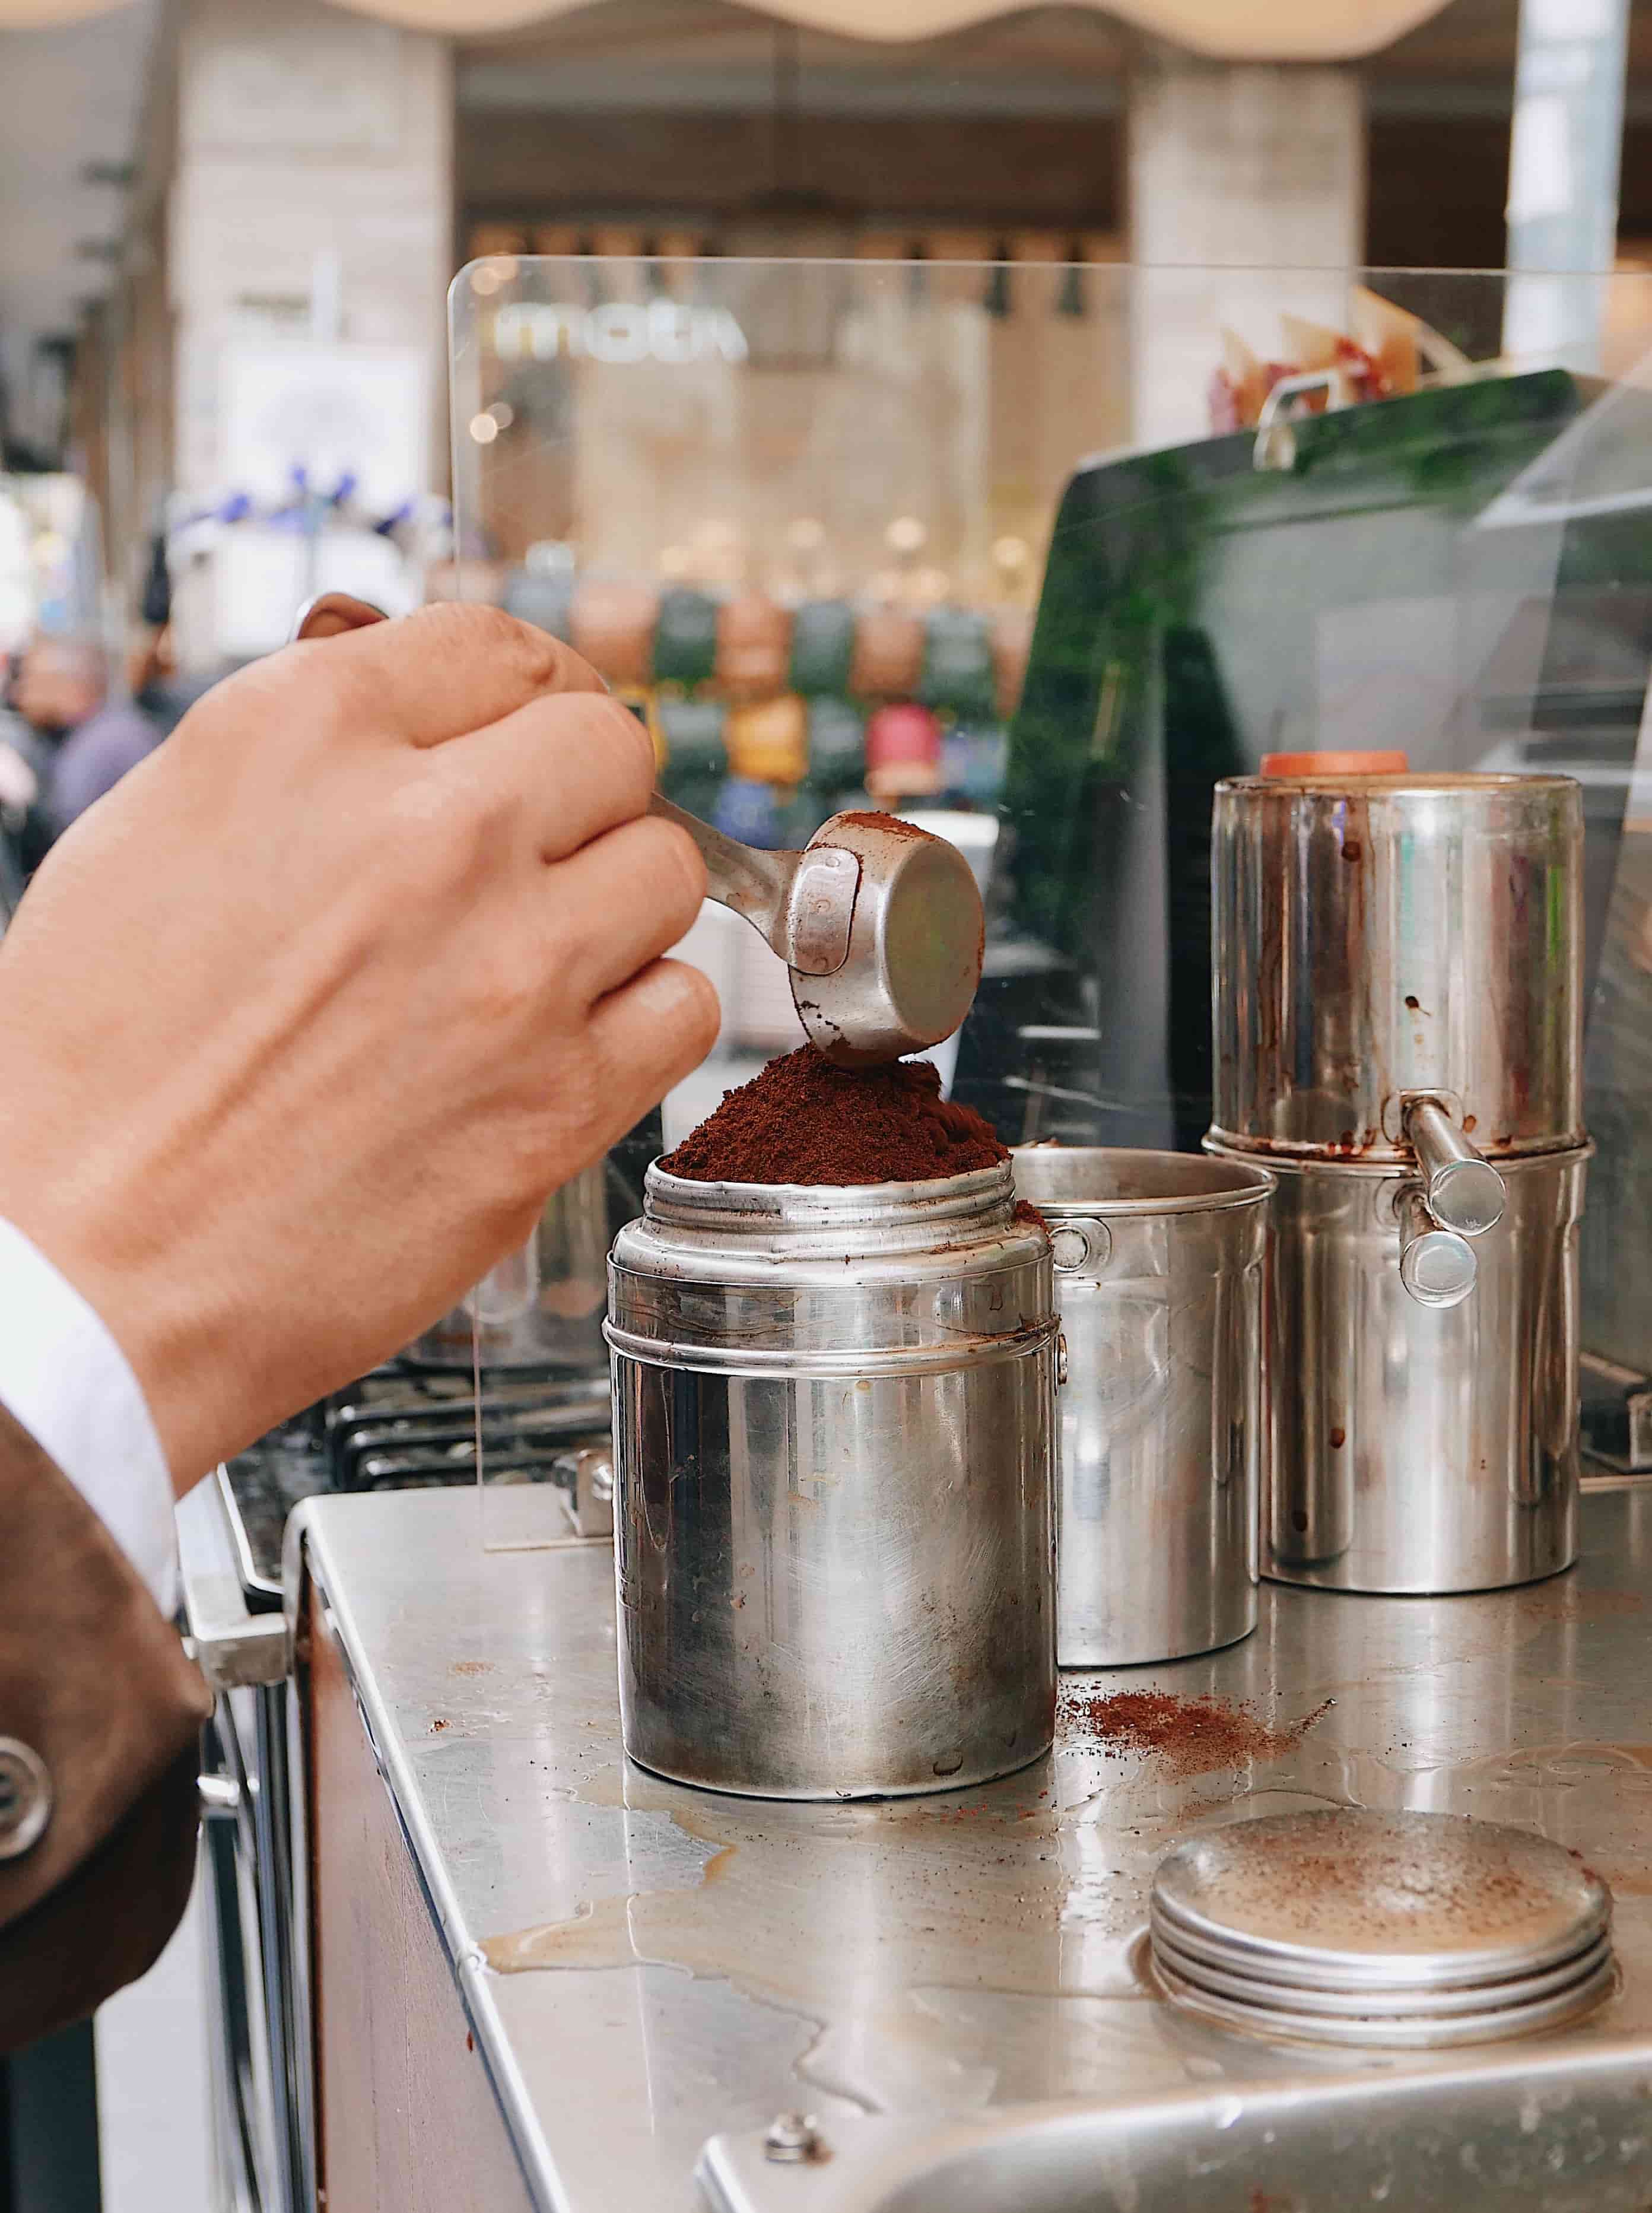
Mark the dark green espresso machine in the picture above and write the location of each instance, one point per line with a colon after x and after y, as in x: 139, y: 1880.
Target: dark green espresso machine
x: 1464, y: 574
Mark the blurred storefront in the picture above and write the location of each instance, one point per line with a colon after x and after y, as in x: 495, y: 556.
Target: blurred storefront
x: 264, y: 375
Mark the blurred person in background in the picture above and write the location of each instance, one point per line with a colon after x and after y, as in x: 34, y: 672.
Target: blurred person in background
x: 25, y: 833
x: 18, y: 792
x: 63, y: 691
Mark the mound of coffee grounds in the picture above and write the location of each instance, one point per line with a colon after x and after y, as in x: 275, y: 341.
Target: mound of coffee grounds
x: 803, y: 1121
x: 1191, y: 1735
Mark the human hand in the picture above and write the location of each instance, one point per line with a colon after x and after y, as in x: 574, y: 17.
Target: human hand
x: 300, y: 1025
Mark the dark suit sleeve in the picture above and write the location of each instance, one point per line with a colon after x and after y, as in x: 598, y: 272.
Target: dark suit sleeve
x: 95, y: 1684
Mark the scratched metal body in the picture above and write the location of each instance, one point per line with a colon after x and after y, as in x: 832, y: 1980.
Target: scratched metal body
x: 1379, y: 940
x: 691, y: 1963
x: 1385, y: 936
x: 834, y: 1483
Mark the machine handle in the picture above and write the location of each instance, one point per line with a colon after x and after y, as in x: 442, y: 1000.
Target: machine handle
x: 232, y: 1646
x: 1436, y: 1265
x: 1463, y: 1190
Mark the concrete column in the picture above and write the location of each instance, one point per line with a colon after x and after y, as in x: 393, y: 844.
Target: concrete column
x: 312, y: 196
x: 1247, y: 195
x: 1565, y: 152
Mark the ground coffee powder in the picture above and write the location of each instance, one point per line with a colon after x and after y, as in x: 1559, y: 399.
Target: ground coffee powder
x: 1191, y: 1736
x: 803, y: 1121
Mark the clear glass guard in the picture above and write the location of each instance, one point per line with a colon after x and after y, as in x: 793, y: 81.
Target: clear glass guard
x: 1037, y: 552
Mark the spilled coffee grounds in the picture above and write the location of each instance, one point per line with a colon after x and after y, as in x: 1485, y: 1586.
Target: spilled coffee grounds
x: 803, y: 1121
x: 1189, y: 1735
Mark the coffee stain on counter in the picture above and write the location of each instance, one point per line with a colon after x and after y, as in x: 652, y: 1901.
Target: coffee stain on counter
x: 817, y: 1907
x: 597, y: 1934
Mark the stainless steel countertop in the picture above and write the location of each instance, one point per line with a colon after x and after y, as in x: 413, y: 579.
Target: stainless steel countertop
x: 646, y: 1965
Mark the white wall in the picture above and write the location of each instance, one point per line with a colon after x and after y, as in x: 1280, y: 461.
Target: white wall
x: 1246, y: 171
x: 306, y: 137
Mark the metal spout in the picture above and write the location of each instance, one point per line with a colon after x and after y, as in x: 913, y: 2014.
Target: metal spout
x: 1464, y: 1191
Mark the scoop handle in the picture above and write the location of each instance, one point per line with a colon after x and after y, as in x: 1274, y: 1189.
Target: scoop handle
x: 754, y: 884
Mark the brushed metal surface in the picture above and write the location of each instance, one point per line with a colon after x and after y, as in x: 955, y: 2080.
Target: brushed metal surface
x: 1411, y: 1448
x: 1384, y: 935
x: 1551, y: 2139
x: 833, y: 1450
x: 1158, y: 1276
x: 646, y: 1965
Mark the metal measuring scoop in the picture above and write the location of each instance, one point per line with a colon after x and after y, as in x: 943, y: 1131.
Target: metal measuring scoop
x: 879, y: 923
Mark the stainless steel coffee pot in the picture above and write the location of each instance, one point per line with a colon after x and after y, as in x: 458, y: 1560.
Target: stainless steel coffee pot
x: 1158, y: 1277
x: 1398, y: 1026
x: 833, y: 1414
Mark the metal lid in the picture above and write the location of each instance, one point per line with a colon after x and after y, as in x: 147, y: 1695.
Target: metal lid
x: 1388, y: 1928
x: 1396, y: 2033
x: 1387, y: 2004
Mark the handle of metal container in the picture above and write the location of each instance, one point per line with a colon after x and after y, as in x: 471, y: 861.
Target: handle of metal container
x: 1436, y: 1265
x: 1080, y: 1243
x: 586, y: 1481
x: 1464, y: 1191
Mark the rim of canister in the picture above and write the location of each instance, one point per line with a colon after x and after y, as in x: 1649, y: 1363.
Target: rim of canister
x: 1422, y: 783
x: 690, y: 1202
x: 1211, y: 1184
x: 1312, y: 1160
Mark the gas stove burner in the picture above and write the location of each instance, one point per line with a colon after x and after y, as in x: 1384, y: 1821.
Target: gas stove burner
x: 1402, y: 1930
x: 401, y: 1430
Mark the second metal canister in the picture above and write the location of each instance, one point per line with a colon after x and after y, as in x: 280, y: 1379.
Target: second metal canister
x: 834, y: 1450
x: 1385, y: 938
x: 1397, y: 1020
x: 1416, y: 1446
x: 1158, y: 1260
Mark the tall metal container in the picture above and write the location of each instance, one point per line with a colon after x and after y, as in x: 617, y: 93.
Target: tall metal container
x: 1158, y: 1262
x: 1398, y: 1012
x: 834, y: 1451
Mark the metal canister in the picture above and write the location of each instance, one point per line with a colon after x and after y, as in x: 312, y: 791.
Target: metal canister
x: 1398, y: 1014
x: 834, y: 1448
x: 1379, y: 939
x: 1158, y: 1271
x: 1416, y: 1448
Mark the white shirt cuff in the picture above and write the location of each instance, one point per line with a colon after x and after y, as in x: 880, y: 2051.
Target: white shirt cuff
x: 65, y: 1378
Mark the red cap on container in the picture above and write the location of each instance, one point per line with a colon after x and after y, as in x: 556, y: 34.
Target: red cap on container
x: 903, y: 732
x: 1334, y: 764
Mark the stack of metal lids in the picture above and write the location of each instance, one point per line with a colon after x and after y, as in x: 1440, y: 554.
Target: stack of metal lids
x: 1397, y: 1930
